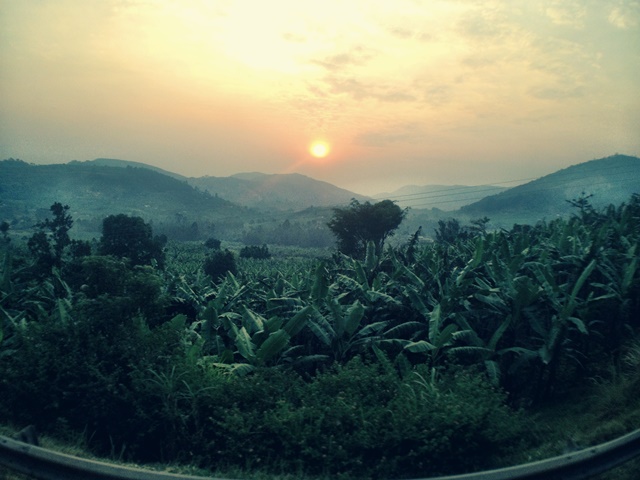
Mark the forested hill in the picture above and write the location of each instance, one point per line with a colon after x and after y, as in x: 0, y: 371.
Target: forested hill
x: 94, y: 192
x: 276, y: 192
x: 610, y: 180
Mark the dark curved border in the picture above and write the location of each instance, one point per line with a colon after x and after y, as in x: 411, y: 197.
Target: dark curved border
x: 49, y: 465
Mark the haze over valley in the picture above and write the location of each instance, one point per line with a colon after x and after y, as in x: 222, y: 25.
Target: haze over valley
x: 253, y: 207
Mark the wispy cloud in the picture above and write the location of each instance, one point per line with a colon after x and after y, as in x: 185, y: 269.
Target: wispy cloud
x: 625, y: 16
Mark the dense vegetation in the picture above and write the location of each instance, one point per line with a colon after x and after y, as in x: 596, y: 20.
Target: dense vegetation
x: 427, y: 358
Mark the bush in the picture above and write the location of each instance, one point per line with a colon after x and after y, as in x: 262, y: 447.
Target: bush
x: 212, y: 243
x: 254, y: 251
x: 219, y: 263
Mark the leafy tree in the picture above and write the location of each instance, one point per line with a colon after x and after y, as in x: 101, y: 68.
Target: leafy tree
x: 450, y: 231
x: 254, y: 251
x: 80, y: 248
x: 131, y: 237
x: 212, y: 243
x: 49, y: 242
x: 218, y: 264
x: 360, y: 223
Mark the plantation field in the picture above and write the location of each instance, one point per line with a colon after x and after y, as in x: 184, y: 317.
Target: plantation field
x: 428, y: 358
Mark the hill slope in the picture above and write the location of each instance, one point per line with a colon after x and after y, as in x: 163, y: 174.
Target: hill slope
x: 609, y: 180
x: 443, y: 197
x: 275, y: 192
x: 94, y: 192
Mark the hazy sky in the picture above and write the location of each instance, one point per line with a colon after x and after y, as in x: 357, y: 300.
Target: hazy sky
x: 402, y: 91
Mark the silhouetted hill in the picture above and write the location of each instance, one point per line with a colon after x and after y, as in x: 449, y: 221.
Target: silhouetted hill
x: 610, y: 180
x: 114, y: 162
x: 94, y: 192
x: 276, y: 192
x: 443, y: 197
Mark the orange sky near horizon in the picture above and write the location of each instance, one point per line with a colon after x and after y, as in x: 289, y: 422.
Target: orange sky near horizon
x: 403, y: 91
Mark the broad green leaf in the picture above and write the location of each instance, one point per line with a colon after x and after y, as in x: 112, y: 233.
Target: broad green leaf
x: 353, y: 317
x: 338, y: 317
x: 417, y: 303
x: 404, y: 329
x: 372, y: 329
x: 493, y: 371
x: 252, y: 321
x: 361, y: 276
x: 178, y: 322
x: 434, y: 322
x: 497, y: 335
x: 273, y: 345
x: 298, y: 321
x: 579, y: 325
x: 320, y: 287
x: 321, y: 327
x: 371, y: 259
x: 274, y: 324
x: 246, y: 348
x: 445, y: 336
x: 420, y: 347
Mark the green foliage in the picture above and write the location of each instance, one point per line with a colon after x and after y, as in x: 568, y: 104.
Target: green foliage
x: 130, y: 237
x: 361, y: 223
x: 389, y: 365
x: 255, y: 251
x: 49, y: 242
x: 219, y: 263
x: 212, y: 243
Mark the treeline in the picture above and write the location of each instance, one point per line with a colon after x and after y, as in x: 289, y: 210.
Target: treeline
x: 424, y: 358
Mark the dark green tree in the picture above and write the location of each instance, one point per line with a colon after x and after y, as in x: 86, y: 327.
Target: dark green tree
x: 130, y: 237
x: 49, y: 242
x: 360, y: 223
x: 450, y: 231
x: 219, y: 263
x: 254, y: 251
x: 212, y: 243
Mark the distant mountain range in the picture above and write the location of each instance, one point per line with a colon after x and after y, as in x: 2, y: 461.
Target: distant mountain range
x: 610, y: 180
x: 232, y: 206
x: 275, y: 192
x: 443, y: 197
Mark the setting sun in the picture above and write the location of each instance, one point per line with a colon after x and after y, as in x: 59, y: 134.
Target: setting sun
x: 319, y: 149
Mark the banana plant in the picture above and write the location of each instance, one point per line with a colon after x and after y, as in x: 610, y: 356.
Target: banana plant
x: 341, y: 329
x: 440, y: 339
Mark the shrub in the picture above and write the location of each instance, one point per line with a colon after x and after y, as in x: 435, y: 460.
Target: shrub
x: 212, y: 243
x: 219, y: 263
x: 254, y: 251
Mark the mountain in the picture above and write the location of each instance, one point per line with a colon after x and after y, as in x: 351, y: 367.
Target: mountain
x: 443, y: 197
x: 610, y: 180
x: 93, y: 192
x: 114, y: 162
x: 280, y: 192
x: 275, y: 192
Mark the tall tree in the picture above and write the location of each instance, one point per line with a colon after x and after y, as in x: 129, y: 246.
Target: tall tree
x: 49, y: 242
x: 130, y: 237
x: 360, y: 223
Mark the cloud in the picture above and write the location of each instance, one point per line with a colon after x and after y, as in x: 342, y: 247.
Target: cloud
x: 355, y: 57
x: 360, y: 91
x: 557, y: 93
x: 625, y: 17
x: 294, y: 37
x: 409, y: 132
x: 438, y: 95
x: 567, y: 13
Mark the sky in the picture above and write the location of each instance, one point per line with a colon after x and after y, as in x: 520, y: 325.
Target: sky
x: 399, y: 92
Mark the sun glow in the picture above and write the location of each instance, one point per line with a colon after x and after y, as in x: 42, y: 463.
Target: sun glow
x: 319, y: 149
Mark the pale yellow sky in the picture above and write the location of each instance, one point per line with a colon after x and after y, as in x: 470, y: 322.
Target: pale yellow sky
x: 403, y: 91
